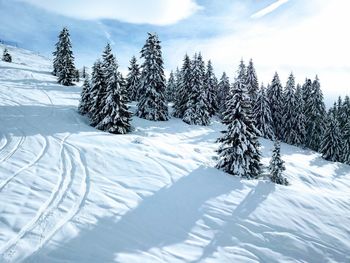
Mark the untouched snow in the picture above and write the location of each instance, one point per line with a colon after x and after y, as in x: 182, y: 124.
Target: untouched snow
x: 69, y: 193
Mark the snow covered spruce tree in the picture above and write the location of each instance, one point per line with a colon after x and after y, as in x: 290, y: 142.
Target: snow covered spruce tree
x: 211, y: 87
x: 115, y: 115
x: 262, y: 115
x: 223, y: 92
x: 171, y: 87
x: 331, y: 145
x: 197, y: 112
x: 85, y: 98
x: 99, y: 77
x: 133, y: 80
x: 97, y: 92
x: 63, y: 63
x: 345, y: 156
x: 183, y: 89
x: 300, y: 117
x: 152, y: 104
x: 6, y: 56
x: 239, y: 153
x: 315, y: 112
x: 276, y: 166
x: 252, y: 81
x: 290, y: 121
x: 242, y: 72
x: 275, y: 96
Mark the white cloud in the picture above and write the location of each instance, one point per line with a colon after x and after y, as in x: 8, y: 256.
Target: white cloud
x: 156, y: 12
x: 269, y: 9
x: 316, y: 44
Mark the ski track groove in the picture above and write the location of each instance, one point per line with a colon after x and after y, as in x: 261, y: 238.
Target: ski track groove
x: 44, y: 149
x: 8, y: 248
x: 60, y: 193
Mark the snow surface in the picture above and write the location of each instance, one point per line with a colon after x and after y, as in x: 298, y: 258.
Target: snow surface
x: 70, y: 193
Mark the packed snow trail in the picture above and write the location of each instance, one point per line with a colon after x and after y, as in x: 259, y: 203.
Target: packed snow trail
x: 70, y: 193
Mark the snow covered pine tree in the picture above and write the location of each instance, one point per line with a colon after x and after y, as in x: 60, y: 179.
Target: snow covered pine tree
x: 276, y: 166
x: 223, y: 92
x: 85, y: 98
x: 171, y: 87
x: 211, y: 87
x: 183, y: 88
x: 290, y: 121
x: 6, y: 56
x: 115, y: 115
x: 97, y: 91
x: 63, y: 62
x: 331, y: 145
x: 133, y: 80
x: 197, y: 112
x: 275, y: 96
x: 239, y: 153
x: 152, y: 104
x: 262, y: 115
x: 252, y: 82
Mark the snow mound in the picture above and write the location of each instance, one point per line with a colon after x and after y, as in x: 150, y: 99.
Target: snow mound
x: 70, y: 193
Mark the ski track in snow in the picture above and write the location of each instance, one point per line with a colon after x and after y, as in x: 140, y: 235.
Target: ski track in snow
x: 71, y: 191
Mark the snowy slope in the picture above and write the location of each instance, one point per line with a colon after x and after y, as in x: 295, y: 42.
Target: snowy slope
x: 69, y: 193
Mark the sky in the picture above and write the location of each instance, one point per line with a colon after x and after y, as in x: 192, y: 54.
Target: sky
x: 304, y: 37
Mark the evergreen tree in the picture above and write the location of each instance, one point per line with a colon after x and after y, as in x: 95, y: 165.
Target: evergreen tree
x: 331, y: 145
x: 57, y: 57
x: 242, y: 73
x: 178, y: 77
x: 239, y: 150
x: 197, y: 112
x: 63, y: 63
x: 223, y: 92
x: 122, y: 84
x: 171, y: 87
x: 115, y: 116
x: 98, y: 87
x: 183, y: 89
x: 6, y: 56
x: 84, y: 74
x: 252, y: 81
x: 133, y: 80
x: 290, y: 121
x: 300, y: 117
x: 85, y: 98
x: 211, y: 87
x: 152, y: 104
x: 275, y: 96
x: 345, y: 156
x: 315, y: 117
x: 262, y: 115
x: 344, y: 111
x: 77, y: 75
x: 277, y: 166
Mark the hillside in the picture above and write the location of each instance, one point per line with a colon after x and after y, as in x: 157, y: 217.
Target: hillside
x: 70, y: 193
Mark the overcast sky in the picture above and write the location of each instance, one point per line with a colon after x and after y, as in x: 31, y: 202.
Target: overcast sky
x: 304, y: 37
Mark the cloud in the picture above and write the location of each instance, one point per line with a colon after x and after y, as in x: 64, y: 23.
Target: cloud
x: 316, y: 43
x: 269, y: 9
x: 156, y: 12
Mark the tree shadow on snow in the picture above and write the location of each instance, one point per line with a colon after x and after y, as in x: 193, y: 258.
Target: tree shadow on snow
x: 162, y: 219
x: 46, y: 120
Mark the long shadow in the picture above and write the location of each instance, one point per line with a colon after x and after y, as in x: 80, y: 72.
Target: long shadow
x: 45, y: 72
x: 32, y: 120
x: 162, y: 219
x: 249, y: 204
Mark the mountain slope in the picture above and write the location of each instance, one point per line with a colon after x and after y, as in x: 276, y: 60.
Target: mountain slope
x: 69, y: 193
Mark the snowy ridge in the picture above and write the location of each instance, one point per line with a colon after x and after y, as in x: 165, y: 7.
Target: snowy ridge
x: 69, y: 193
